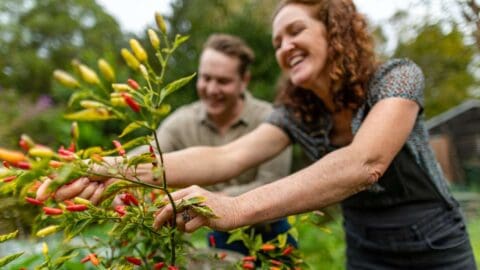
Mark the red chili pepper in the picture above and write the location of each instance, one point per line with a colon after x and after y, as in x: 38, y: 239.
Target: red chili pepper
x: 119, y: 147
x: 131, y: 102
x: 133, y: 84
x: 24, y: 165
x: 222, y: 255
x: 71, y: 147
x: 248, y: 265
x: 6, y: 164
x: 33, y: 201
x: 287, y: 251
x: 134, y: 260
x: 275, y: 262
x: 249, y: 258
x: 212, y: 241
x: 66, y: 154
x: 77, y: 207
x: 68, y: 202
x: 267, y: 247
x: 50, y: 211
x: 158, y: 265
x: 153, y: 196
x: 173, y: 267
x: 9, y: 178
x: 129, y: 199
x: 24, y: 145
x: 120, y: 209
x: 85, y: 259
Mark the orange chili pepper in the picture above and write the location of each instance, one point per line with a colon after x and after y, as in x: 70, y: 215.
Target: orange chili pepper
x: 11, y: 156
x: 267, y: 247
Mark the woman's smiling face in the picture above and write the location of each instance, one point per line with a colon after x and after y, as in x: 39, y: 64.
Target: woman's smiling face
x: 300, y: 43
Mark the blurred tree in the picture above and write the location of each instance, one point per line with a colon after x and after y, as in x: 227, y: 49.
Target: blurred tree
x: 38, y: 36
x: 247, y: 19
x: 471, y: 13
x: 444, y: 59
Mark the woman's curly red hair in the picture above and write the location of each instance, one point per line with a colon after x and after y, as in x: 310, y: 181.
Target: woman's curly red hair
x: 351, y: 58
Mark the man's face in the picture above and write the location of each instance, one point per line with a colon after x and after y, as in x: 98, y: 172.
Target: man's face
x: 219, y: 83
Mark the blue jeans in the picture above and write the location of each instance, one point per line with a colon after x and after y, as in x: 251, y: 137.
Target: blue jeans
x: 268, y: 231
x: 437, y: 241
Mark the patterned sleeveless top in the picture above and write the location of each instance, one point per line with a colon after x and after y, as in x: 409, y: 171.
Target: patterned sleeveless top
x: 395, y: 78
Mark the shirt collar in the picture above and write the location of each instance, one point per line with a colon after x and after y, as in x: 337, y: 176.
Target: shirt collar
x: 245, y: 116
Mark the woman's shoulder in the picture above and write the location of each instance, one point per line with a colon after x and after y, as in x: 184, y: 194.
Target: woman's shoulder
x: 397, y: 77
x: 399, y: 67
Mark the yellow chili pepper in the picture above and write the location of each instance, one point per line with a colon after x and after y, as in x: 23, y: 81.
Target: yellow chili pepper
x: 88, y: 75
x: 47, y: 230
x: 138, y: 50
x: 154, y: 40
x: 121, y: 87
x: 44, y: 249
x: 160, y: 23
x: 144, y: 72
x: 132, y: 62
x: 65, y: 79
x: 41, y: 151
x: 106, y: 70
x: 90, y: 104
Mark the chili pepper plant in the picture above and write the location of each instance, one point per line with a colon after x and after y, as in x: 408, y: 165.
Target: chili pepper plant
x: 138, y: 105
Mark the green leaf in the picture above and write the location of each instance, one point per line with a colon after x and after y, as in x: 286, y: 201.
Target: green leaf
x: 191, y: 201
x: 78, y: 228
x: 179, y: 40
x: 64, y: 175
x: 136, y: 142
x: 131, y: 127
x: 141, y: 159
x: 7, y: 259
x: 236, y: 235
x: 116, y: 187
x: 175, y: 85
x: 282, y: 240
x: 9, y: 236
x: 61, y: 260
x: 77, y: 96
x: 204, y: 211
x: 258, y: 242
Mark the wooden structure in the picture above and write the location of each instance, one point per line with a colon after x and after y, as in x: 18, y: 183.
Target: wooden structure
x: 455, y: 139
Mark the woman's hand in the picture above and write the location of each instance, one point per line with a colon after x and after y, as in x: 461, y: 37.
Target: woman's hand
x: 82, y: 187
x: 224, y: 207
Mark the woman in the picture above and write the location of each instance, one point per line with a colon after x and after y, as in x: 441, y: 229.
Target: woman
x: 362, y: 122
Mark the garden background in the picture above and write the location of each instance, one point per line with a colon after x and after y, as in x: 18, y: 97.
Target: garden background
x: 38, y: 36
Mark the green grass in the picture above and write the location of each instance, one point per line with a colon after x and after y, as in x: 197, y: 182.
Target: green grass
x: 474, y: 231
x: 322, y: 245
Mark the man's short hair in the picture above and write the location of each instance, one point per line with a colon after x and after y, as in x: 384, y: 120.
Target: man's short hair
x: 232, y: 46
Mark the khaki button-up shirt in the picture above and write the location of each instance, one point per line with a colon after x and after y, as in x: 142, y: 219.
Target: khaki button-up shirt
x: 189, y: 126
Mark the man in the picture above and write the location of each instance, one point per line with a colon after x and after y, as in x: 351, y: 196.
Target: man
x: 225, y: 111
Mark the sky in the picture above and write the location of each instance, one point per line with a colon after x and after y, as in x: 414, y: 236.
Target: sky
x: 134, y: 15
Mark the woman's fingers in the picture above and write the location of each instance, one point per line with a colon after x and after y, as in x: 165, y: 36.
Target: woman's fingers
x: 42, y: 190
x: 71, y: 190
x: 97, y: 194
x: 88, y: 191
x: 195, y: 223
x: 162, y: 216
